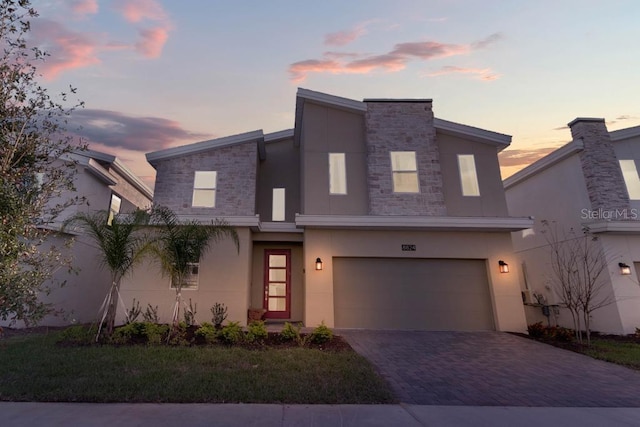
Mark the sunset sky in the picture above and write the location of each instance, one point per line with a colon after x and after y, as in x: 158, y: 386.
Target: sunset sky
x: 156, y: 74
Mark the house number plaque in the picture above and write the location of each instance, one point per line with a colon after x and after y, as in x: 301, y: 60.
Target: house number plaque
x: 410, y: 248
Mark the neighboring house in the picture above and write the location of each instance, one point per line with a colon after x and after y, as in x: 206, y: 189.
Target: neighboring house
x: 105, y: 183
x: 592, y: 181
x: 368, y: 214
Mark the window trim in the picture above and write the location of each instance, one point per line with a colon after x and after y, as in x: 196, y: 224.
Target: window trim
x: 395, y: 172
x: 341, y: 171
x: 468, y: 189
x: 210, y: 187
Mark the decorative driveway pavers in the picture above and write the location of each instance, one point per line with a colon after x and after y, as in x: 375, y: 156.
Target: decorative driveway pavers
x: 492, y: 369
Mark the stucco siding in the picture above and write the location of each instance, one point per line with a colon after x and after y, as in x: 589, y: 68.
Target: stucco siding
x: 280, y: 169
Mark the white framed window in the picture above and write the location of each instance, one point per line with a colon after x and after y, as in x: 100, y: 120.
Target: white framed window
x: 337, y: 173
x: 277, y: 208
x: 204, y: 189
x: 114, y: 208
x: 468, y: 175
x: 190, y: 281
x: 405, y: 172
x: 631, y: 180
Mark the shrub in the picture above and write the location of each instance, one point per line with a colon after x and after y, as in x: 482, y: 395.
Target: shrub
x: 178, y: 334
x: 219, y: 312
x: 190, y: 313
x: 207, y: 332
x: 150, y: 315
x: 290, y: 332
x: 155, y: 333
x: 232, y: 333
x: 536, y: 330
x: 559, y: 333
x: 129, y: 333
x: 257, y: 331
x: 78, y: 335
x: 321, y: 334
x: 134, y: 311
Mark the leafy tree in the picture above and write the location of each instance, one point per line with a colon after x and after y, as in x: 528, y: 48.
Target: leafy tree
x: 577, y: 264
x: 36, y: 170
x: 179, y: 244
x: 122, y: 244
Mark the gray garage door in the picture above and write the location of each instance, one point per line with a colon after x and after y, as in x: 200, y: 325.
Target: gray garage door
x: 424, y: 294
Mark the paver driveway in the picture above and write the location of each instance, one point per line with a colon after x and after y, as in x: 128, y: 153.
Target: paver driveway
x: 492, y: 368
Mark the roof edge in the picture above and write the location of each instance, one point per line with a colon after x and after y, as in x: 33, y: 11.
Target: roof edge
x: 336, y: 101
x: 621, y: 134
x: 457, y: 129
x: 547, y: 161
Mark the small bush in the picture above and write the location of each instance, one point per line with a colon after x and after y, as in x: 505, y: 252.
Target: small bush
x: 150, y: 315
x: 321, y: 334
x: 219, y: 312
x: 78, y: 335
x: 257, y: 331
x: 178, y: 334
x: 134, y: 311
x: 190, y: 313
x: 290, y: 332
x: 129, y: 334
x: 536, y: 330
x: 207, y: 333
x: 155, y: 333
x: 232, y: 333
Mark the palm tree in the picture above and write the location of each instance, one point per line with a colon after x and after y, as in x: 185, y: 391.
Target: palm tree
x: 180, y: 244
x: 122, y: 244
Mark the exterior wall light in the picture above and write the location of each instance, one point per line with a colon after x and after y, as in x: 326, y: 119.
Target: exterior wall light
x: 318, y: 264
x: 625, y: 270
x: 504, y: 267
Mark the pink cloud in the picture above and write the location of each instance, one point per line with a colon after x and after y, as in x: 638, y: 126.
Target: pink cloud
x: 137, y: 10
x: 67, y: 49
x: 152, y: 41
x: 482, y: 73
x: 342, y: 38
x: 82, y: 8
x: 395, y: 60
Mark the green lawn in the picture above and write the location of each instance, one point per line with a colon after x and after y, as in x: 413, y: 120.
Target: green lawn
x: 622, y: 353
x: 34, y: 368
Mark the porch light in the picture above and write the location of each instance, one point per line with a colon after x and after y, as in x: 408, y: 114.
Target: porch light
x: 318, y: 264
x: 504, y: 267
x: 625, y: 270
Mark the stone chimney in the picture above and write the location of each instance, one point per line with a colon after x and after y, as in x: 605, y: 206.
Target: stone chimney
x: 600, y: 167
x: 402, y: 125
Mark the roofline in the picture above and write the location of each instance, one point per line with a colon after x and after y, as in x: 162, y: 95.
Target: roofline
x: 621, y: 134
x: 199, y: 147
x: 132, y: 178
x: 332, y: 100
x: 547, y: 161
x: 277, y: 136
x: 446, y: 127
x: 424, y: 223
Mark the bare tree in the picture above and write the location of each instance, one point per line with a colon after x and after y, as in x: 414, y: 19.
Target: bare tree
x: 578, y: 263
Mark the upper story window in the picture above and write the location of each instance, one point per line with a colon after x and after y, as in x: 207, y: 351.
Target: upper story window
x: 468, y: 175
x: 630, y: 174
x: 204, y: 189
x: 114, y: 208
x: 277, y: 209
x: 337, y: 173
x: 190, y: 279
x: 405, y: 172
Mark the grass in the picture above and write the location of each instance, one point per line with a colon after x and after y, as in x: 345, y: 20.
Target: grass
x: 615, y: 351
x: 34, y: 368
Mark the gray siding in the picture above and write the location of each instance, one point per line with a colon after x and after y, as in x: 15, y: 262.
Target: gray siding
x: 280, y: 169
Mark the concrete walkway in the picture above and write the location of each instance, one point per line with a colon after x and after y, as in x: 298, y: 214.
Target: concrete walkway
x: 29, y: 414
x: 492, y: 369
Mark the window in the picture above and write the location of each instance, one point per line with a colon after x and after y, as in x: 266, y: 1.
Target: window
x: 630, y: 174
x: 404, y: 171
x: 337, y: 173
x: 190, y: 281
x: 468, y: 176
x: 114, y: 208
x: 204, y: 189
x: 277, y: 209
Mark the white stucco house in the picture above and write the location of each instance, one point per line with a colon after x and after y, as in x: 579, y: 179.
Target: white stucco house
x: 591, y: 181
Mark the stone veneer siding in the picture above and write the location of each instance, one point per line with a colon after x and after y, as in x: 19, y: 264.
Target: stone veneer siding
x: 235, y: 187
x: 394, y: 125
x: 600, y: 167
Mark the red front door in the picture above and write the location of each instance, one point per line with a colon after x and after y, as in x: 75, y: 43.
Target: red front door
x: 277, y: 283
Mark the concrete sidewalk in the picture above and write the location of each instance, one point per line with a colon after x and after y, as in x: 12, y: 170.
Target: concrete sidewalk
x: 28, y: 414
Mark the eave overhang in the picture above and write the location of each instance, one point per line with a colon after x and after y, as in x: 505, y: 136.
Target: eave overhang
x: 614, y: 227
x: 418, y: 223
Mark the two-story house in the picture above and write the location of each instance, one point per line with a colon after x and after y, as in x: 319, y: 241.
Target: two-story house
x: 104, y: 183
x: 590, y: 182
x: 368, y: 214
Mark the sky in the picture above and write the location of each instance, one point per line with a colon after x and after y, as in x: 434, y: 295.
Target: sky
x: 155, y: 74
